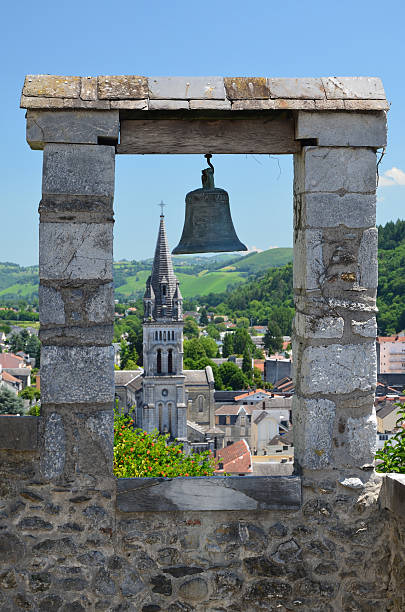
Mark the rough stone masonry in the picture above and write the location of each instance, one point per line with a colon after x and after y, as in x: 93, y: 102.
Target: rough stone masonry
x: 325, y: 539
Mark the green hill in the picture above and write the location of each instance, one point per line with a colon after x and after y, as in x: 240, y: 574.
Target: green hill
x: 258, y: 262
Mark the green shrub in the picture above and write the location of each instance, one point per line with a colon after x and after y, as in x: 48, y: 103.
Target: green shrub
x: 138, y: 454
x: 392, y: 455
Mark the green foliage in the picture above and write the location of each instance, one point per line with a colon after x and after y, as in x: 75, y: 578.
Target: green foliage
x: 391, y: 290
x: 227, y: 345
x: 391, y: 234
x: 30, y: 393
x: 203, y: 317
x: 138, y: 454
x: 392, y: 455
x: 10, y: 403
x: 213, y: 332
x: 247, y: 363
x: 35, y: 410
x: 30, y: 344
x: 273, y: 340
x: 232, y: 377
x: 197, y: 349
x: 190, y: 329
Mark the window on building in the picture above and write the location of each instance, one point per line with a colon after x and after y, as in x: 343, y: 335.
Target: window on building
x: 156, y: 335
x: 159, y: 361
x: 170, y: 362
x: 164, y: 335
x: 233, y: 419
x: 200, y: 403
x: 160, y: 335
x: 221, y: 419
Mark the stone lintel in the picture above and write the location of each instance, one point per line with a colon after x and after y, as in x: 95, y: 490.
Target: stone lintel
x: 210, y: 493
x: 343, y: 129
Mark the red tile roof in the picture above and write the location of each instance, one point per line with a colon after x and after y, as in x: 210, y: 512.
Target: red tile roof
x: 236, y: 458
x: 9, y: 360
x: 233, y: 409
x: 259, y: 364
x: 9, y: 378
x: 390, y: 338
x: 245, y: 395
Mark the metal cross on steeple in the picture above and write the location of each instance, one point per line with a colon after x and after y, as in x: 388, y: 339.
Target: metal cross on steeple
x: 162, y: 205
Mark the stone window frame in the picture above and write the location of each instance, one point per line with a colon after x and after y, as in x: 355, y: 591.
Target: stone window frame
x: 339, y: 118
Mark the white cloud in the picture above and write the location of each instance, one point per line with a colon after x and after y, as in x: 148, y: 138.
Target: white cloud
x: 253, y: 249
x: 391, y: 177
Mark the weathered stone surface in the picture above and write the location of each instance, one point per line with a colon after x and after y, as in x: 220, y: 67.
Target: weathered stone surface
x: 265, y: 104
x: 302, y: 88
x: 101, y: 427
x: 34, y: 523
x: 75, y: 251
x: 340, y: 170
x: 309, y: 270
x: 19, y: 434
x: 54, y: 453
x: 338, y: 368
x: 365, y: 105
x: 161, y: 584
x: 186, y: 88
x: 368, y: 264
x: 91, y: 374
x: 394, y: 494
x: 322, y: 327
x: 50, y: 86
x: 343, y: 129
x: 367, y: 329
x: 88, y: 89
x: 352, y: 483
x: 70, y: 127
x: 239, y: 88
x: 331, y: 209
x: 11, y: 549
x: 194, y: 589
x: 361, y: 439
x: 314, y: 421
x: 210, y: 105
x: 367, y: 88
x: 122, y: 87
x: 286, y: 104
x: 168, y: 104
x: 51, y: 306
x: 78, y: 169
x: 100, y: 306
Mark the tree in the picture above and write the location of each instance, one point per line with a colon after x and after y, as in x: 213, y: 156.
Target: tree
x: 30, y: 393
x: 243, y: 322
x: 203, y: 317
x: 227, y: 345
x: 213, y: 332
x: 190, y: 329
x: 247, y: 363
x: 210, y: 346
x: 273, y: 340
x: 10, y: 403
x: 242, y: 340
x: 232, y: 377
x: 193, y: 350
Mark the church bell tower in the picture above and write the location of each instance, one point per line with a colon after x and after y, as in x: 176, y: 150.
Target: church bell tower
x: 162, y: 404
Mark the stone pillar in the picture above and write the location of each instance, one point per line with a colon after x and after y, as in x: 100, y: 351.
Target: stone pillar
x: 76, y: 291
x: 335, y: 283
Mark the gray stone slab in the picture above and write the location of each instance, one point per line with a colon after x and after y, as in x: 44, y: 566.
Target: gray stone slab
x: 186, y: 88
x: 71, y: 374
x: 318, y: 327
x: 360, y: 440
x: 342, y: 169
x: 210, y: 105
x: 100, y: 305
x: 168, y: 104
x: 70, y: 251
x: 314, y: 421
x: 368, y: 262
x: 53, y: 456
x: 309, y: 270
x: 353, y: 210
x: 338, y: 368
x: 210, y: 493
x: 122, y: 87
x: 70, y: 127
x: 88, y: 89
x: 130, y: 104
x: 78, y: 169
x: 343, y: 129
x: 79, y: 334
x: 394, y: 493
x: 19, y: 433
x: 247, y: 88
x: 367, y: 329
x: 51, y: 306
x: 309, y: 89
x: 51, y: 86
x: 365, y: 88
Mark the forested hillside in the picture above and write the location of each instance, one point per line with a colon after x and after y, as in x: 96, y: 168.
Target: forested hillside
x: 391, y: 278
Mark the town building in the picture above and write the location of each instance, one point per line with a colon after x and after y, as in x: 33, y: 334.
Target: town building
x: 391, y: 354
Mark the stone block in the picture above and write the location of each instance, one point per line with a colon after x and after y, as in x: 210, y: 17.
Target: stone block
x: 101, y: 429
x: 352, y: 88
x: 72, y: 374
x: 75, y: 251
x: 61, y: 207
x: 210, y: 105
x: 78, y: 169
x: 308, y: 260
x: 367, y: 329
x: 338, y: 170
x: 241, y: 105
x: 318, y: 327
x: 168, y: 105
x: 53, y: 456
x: 343, y: 129
x: 51, y: 306
x: 306, y: 89
x: 186, y: 88
x: 19, y: 433
x: 122, y: 87
x: 130, y: 104
x: 353, y: 210
x: 338, y: 368
x: 360, y: 439
x: 314, y: 421
x: 74, y: 127
x: 368, y: 263
x: 51, y: 86
x: 245, y: 88
x: 80, y: 334
x: 100, y: 305
x: 88, y: 89
x: 45, y: 103
x: 78, y: 104
x: 329, y: 105
x: 285, y: 103
x: 367, y: 105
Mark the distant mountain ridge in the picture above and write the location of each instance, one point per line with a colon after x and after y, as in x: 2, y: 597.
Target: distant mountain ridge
x: 197, y: 275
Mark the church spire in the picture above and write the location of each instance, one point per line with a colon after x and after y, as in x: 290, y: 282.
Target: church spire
x: 162, y: 283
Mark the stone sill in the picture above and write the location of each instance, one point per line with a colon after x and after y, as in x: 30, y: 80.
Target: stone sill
x: 209, y: 493
x: 19, y: 433
x: 394, y: 493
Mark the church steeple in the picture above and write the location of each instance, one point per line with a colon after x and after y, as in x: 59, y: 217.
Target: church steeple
x: 160, y: 299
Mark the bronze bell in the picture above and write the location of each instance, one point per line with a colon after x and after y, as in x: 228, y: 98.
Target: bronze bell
x: 208, y: 226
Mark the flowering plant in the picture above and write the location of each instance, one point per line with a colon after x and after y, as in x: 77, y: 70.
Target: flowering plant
x: 138, y: 454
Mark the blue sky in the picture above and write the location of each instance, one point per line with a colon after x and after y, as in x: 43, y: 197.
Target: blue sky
x: 226, y: 38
